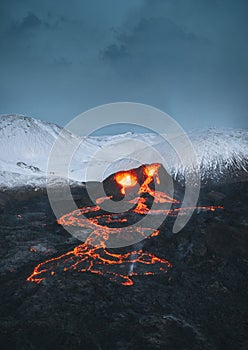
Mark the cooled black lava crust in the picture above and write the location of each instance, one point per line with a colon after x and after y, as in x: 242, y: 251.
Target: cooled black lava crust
x: 200, y: 304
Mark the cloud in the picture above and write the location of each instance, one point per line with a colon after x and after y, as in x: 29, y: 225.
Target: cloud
x: 30, y: 21
x: 154, y: 40
x: 188, y: 58
x: 114, y: 52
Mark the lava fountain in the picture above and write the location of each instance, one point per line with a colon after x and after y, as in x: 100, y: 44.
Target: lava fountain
x: 92, y: 256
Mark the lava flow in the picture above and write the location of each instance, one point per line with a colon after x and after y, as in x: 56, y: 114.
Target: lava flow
x: 92, y: 256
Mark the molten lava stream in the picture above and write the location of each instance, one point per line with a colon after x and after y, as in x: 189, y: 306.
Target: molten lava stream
x: 96, y: 260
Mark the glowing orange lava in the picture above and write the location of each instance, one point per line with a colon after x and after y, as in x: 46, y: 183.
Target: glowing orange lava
x: 93, y: 257
x: 126, y: 179
x: 151, y: 172
x: 85, y: 258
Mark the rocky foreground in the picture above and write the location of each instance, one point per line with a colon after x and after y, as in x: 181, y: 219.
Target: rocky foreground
x: 201, y: 303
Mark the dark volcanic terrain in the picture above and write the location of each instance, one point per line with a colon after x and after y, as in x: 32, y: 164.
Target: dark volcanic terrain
x: 201, y: 303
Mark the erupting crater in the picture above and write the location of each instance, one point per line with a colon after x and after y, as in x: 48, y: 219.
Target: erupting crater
x: 137, y: 188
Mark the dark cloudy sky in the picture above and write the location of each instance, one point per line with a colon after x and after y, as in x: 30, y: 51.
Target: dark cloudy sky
x: 186, y: 57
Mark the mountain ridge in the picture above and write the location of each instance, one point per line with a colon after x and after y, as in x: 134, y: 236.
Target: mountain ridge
x: 25, y: 145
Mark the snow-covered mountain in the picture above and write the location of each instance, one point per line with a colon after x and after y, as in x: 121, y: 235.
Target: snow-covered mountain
x: 25, y: 145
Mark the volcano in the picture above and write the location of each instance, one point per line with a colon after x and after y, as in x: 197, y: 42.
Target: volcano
x: 92, y: 256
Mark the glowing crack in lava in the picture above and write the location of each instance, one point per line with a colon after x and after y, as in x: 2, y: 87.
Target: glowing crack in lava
x: 126, y: 179
x: 92, y: 256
